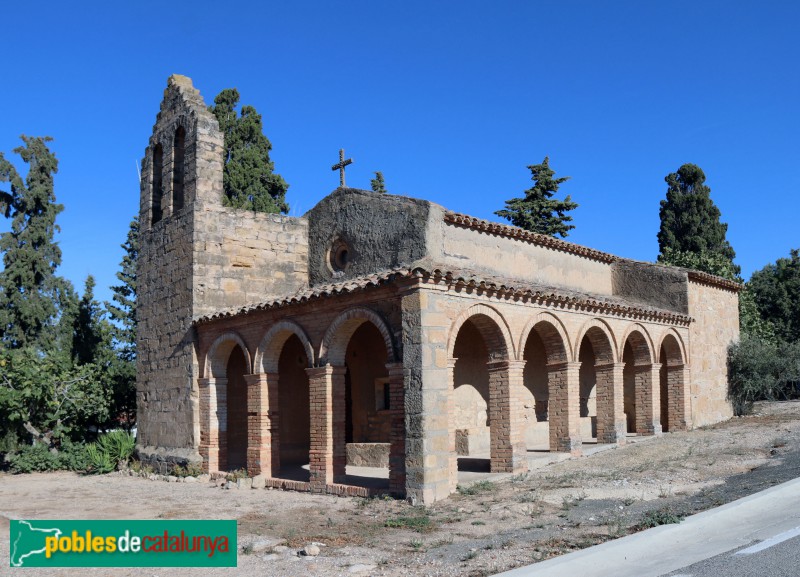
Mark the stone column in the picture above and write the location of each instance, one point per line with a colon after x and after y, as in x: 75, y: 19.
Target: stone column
x: 563, y: 382
x: 213, y: 423
x: 327, y: 453
x: 263, y: 448
x: 648, y: 399
x: 397, y: 438
x: 611, y: 426
x: 508, y: 451
x: 452, y: 475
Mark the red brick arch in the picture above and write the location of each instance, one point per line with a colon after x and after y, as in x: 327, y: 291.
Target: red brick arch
x: 269, y: 350
x: 334, y: 343
x: 493, y: 328
x: 602, y: 338
x: 216, y: 360
x: 641, y: 343
x: 674, y: 349
x: 553, y: 334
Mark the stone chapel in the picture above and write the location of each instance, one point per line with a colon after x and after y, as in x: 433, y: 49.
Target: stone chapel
x: 387, y: 333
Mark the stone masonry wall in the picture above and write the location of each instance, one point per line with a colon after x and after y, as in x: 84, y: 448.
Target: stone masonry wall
x: 242, y: 257
x: 716, y: 314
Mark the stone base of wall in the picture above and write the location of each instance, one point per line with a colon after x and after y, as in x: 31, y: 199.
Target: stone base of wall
x: 163, y: 460
x: 368, y: 454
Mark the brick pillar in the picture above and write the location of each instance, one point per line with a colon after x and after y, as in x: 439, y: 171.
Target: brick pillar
x: 648, y: 399
x: 451, y: 426
x: 263, y: 449
x: 563, y: 383
x: 678, y: 398
x: 508, y: 451
x: 397, y: 438
x: 611, y: 426
x: 327, y: 453
x: 213, y: 423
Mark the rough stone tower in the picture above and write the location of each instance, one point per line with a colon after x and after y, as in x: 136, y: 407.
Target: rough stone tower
x: 181, y: 173
x: 196, y: 257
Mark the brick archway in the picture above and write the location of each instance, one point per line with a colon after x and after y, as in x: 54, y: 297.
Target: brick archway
x: 217, y: 356
x: 334, y: 343
x: 640, y: 377
x: 673, y: 382
x: 269, y: 350
x: 492, y: 326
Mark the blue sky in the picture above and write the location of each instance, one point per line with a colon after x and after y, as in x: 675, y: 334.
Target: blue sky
x: 451, y: 100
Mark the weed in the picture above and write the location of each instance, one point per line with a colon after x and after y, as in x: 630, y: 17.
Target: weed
x: 470, y: 555
x: 477, y: 488
x: 520, y: 477
x: 330, y: 523
x: 530, y: 497
x: 236, y: 475
x: 661, y: 516
x: 247, y: 549
x: 478, y: 523
x: 628, y: 501
x: 416, y: 544
x: 420, y: 523
x: 570, y: 501
x: 664, y: 491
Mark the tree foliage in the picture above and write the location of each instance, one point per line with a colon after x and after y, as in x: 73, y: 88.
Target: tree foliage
x: 29, y: 290
x: 776, y: 292
x: 690, y: 221
x: 760, y: 370
x: 378, y: 184
x: 249, y: 180
x: 538, y: 211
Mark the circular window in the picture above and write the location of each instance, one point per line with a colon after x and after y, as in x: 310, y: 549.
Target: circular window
x: 340, y: 256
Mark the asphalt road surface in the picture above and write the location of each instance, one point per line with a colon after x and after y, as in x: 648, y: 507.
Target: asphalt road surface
x: 756, y: 536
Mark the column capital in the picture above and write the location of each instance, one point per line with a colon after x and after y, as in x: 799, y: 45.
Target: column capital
x: 562, y: 365
x: 609, y: 366
x: 211, y: 381
x: 325, y: 370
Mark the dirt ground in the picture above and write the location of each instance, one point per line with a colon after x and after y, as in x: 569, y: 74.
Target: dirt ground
x: 489, y: 526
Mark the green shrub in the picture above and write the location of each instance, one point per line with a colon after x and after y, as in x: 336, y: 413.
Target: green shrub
x: 759, y: 370
x: 118, y: 445
x: 38, y: 458
x: 661, y: 516
x: 99, y: 460
x: 420, y: 523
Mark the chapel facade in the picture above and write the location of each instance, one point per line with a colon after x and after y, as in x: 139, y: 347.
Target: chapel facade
x: 389, y: 332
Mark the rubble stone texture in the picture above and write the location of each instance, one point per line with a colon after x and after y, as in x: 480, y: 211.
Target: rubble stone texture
x: 385, y: 330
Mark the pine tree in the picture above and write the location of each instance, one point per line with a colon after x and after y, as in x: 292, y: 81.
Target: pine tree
x: 690, y: 221
x: 538, y: 211
x: 91, y: 335
x: 29, y: 289
x: 122, y: 370
x: 377, y: 183
x: 123, y: 312
x: 248, y: 178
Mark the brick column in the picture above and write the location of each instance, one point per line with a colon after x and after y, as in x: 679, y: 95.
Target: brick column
x: 508, y: 451
x: 327, y: 458
x: 263, y: 449
x: 563, y: 382
x: 397, y: 438
x: 451, y: 426
x: 678, y: 397
x: 213, y: 422
x: 611, y: 426
x: 648, y: 399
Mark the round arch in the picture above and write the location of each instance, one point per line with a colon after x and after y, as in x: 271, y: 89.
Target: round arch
x: 269, y: 350
x: 602, y: 338
x: 674, y: 349
x: 334, y: 343
x: 553, y: 334
x: 217, y: 356
x: 492, y: 326
x: 641, y: 342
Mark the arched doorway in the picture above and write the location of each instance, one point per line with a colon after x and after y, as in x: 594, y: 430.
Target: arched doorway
x: 294, y: 421
x: 470, y: 406
x: 536, y: 395
x: 367, y: 418
x: 236, y: 412
x: 672, y: 386
x: 641, y: 408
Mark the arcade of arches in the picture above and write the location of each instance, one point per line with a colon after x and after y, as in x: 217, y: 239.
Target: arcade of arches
x: 295, y: 408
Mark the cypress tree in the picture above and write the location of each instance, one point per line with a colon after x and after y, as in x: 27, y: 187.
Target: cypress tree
x: 249, y: 180
x: 29, y: 289
x: 538, y: 211
x: 378, y: 184
x: 690, y: 222
x: 123, y: 311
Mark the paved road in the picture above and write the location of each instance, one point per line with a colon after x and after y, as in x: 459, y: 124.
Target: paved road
x: 703, y: 545
x: 776, y: 557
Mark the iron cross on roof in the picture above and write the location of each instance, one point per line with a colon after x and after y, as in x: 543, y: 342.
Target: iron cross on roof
x: 340, y: 166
